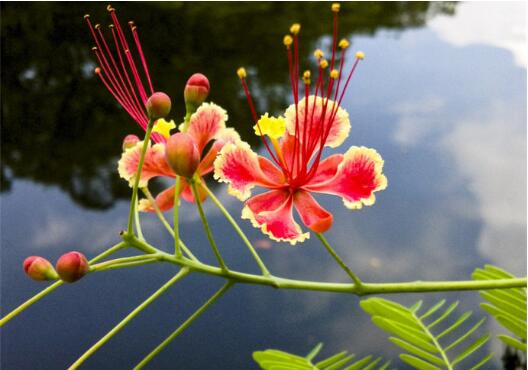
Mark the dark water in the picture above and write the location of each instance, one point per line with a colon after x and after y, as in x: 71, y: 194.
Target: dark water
x: 441, y: 95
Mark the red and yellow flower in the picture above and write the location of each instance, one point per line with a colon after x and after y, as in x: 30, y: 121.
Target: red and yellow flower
x: 121, y: 75
x: 296, y: 168
x: 206, y: 125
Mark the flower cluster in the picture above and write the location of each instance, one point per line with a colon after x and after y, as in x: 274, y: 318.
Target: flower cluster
x: 296, y: 169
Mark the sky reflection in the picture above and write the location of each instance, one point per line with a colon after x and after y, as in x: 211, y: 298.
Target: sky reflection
x: 445, y: 108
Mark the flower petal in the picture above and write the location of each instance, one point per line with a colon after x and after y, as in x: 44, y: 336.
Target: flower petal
x: 164, y: 201
x: 272, y: 213
x: 358, y: 176
x: 315, y: 217
x: 154, y: 164
x: 207, y: 122
x: 241, y: 168
x: 227, y: 135
x: 326, y: 169
x: 316, y: 106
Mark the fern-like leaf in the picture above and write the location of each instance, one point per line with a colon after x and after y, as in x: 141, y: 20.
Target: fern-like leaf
x: 273, y: 359
x: 507, y: 306
x: 419, y: 335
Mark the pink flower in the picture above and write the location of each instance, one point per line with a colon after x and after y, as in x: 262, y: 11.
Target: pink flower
x: 206, y: 125
x: 296, y: 170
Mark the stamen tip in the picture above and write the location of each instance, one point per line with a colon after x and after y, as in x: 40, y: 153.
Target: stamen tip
x: 360, y: 55
x: 110, y: 8
x: 318, y: 53
x: 97, y: 70
x: 86, y: 16
x: 323, y: 64
x: 94, y: 48
x: 336, y: 7
x: 295, y: 28
x: 334, y: 74
x: 241, y: 72
x: 97, y: 26
x: 306, y: 77
x: 287, y: 41
x: 343, y: 44
x: 130, y: 23
x: 110, y: 26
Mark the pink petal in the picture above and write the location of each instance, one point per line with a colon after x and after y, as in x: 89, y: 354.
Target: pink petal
x: 326, y: 169
x: 242, y: 169
x: 164, y: 200
x: 227, y: 135
x: 207, y: 122
x: 340, y: 124
x: 358, y: 176
x: 154, y: 164
x: 315, y: 217
x: 272, y: 213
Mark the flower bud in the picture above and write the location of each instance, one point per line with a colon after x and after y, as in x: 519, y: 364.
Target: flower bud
x: 130, y: 141
x: 182, y: 154
x: 39, y: 268
x: 196, y: 91
x: 72, y: 266
x: 158, y: 105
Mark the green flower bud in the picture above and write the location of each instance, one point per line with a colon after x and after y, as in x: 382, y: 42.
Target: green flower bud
x: 182, y: 154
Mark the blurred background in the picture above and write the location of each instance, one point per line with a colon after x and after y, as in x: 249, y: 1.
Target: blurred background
x: 441, y: 95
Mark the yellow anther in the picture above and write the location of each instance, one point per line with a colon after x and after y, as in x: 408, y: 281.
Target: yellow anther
x: 343, y: 44
x: 323, y: 64
x: 163, y: 127
x: 336, y: 7
x: 97, y: 26
x: 272, y: 126
x: 360, y: 55
x: 287, y: 40
x: 295, y: 28
x: 334, y: 74
x: 109, y: 8
x: 97, y: 70
x: 318, y: 53
x: 86, y: 16
x: 241, y: 72
x: 306, y: 77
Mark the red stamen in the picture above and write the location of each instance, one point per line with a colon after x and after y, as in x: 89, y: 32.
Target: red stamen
x: 141, y: 55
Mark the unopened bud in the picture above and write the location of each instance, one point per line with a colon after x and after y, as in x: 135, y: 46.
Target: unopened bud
x: 39, y: 268
x: 158, y: 105
x: 196, y: 91
x: 182, y: 154
x: 130, y: 141
x: 72, y: 266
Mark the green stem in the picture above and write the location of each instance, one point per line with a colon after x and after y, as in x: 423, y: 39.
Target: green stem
x: 339, y: 261
x: 138, y: 223
x: 129, y: 317
x: 55, y: 285
x: 366, y: 288
x: 239, y: 231
x: 118, y: 261
x: 176, y: 209
x: 183, y: 326
x: 127, y: 264
x: 165, y: 223
x: 133, y: 201
x: 206, y: 225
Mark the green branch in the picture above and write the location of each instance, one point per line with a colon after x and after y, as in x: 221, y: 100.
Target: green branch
x: 340, y: 262
x: 183, y: 326
x: 55, y: 285
x: 128, y: 318
x: 137, y: 177
x: 239, y: 231
x: 207, y: 229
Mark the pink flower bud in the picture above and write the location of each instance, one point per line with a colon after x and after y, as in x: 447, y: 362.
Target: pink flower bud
x: 130, y: 141
x: 72, y: 266
x: 182, y: 154
x: 196, y: 91
x: 158, y: 105
x: 39, y: 268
